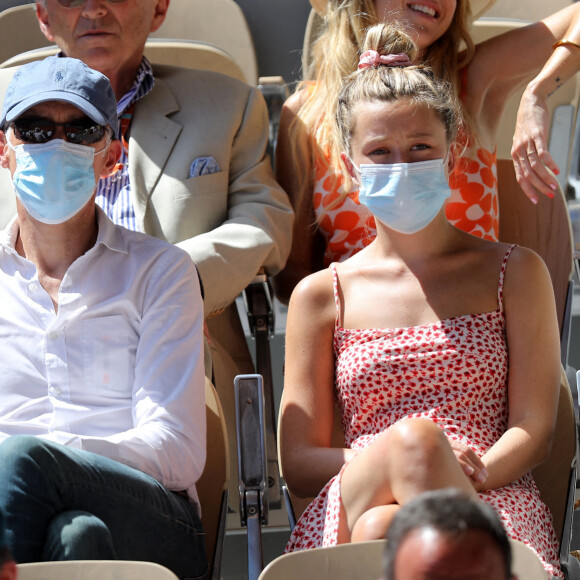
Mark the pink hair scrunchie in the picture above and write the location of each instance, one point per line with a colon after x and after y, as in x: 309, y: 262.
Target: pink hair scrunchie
x: 372, y: 58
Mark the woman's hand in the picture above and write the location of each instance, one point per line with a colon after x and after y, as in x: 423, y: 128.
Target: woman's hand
x: 471, y: 463
x: 530, y: 148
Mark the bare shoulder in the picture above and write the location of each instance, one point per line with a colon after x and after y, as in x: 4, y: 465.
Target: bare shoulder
x: 312, y: 301
x: 314, y: 291
x: 523, y: 260
x: 295, y: 101
x: 526, y: 272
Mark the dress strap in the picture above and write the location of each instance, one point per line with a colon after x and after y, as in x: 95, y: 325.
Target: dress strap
x: 336, y: 295
x: 502, y: 276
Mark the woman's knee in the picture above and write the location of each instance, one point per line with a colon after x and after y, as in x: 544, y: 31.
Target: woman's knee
x: 374, y: 523
x: 418, y: 440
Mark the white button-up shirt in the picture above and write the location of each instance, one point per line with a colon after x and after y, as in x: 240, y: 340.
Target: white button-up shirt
x: 118, y: 370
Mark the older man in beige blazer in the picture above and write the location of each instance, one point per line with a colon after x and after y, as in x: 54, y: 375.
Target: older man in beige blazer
x: 197, y: 172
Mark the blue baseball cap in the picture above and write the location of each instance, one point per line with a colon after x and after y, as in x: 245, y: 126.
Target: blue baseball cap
x: 61, y: 79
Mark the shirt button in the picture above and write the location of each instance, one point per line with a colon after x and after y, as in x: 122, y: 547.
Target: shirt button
x: 33, y: 287
x: 52, y: 335
x: 55, y: 390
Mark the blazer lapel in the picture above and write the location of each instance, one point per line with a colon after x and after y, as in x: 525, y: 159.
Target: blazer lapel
x: 152, y: 137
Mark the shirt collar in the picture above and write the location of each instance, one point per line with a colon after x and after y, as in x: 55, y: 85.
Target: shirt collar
x: 142, y: 85
x: 109, y: 234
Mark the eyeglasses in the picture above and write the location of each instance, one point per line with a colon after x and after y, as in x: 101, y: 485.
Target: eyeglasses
x: 80, y: 131
x: 77, y: 3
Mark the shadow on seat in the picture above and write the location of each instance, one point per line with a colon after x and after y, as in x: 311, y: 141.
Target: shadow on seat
x: 212, y: 487
x: 94, y: 570
x: 364, y: 561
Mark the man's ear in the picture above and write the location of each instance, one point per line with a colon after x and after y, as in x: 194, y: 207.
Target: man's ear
x: 42, y: 16
x: 4, y: 151
x: 161, y: 7
x: 349, y: 166
x: 113, y: 153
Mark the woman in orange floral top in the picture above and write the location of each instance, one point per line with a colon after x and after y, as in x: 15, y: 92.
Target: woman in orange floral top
x: 330, y: 223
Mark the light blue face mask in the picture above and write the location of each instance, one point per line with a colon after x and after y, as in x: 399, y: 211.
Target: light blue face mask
x: 54, y: 180
x: 406, y: 197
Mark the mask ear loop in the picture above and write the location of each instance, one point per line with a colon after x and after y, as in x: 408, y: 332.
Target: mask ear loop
x: 108, y: 144
x: 8, y: 132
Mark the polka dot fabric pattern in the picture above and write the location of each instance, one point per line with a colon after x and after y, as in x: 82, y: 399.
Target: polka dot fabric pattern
x: 348, y: 226
x: 452, y: 372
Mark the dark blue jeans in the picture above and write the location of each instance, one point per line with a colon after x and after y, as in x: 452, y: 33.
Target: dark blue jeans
x: 66, y: 504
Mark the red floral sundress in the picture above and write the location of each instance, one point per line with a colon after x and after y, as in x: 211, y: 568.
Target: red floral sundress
x: 452, y: 372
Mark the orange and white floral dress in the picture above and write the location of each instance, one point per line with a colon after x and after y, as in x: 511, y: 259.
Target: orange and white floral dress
x: 348, y: 227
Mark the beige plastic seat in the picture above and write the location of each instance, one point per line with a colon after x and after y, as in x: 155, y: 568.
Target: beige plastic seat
x: 183, y: 53
x: 218, y: 22
x: 19, y: 31
x: 364, y: 561
x: 556, y: 476
x: 532, y: 11
x: 94, y: 570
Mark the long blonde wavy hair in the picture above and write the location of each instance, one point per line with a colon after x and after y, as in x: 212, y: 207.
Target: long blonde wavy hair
x: 335, y: 55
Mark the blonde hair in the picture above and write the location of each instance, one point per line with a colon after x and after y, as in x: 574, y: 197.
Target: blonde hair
x: 335, y: 55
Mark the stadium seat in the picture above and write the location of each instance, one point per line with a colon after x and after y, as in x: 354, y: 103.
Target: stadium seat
x: 94, y: 570
x: 364, y: 561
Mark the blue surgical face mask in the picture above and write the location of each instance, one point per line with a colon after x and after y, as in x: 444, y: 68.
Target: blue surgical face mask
x: 54, y: 180
x: 406, y: 197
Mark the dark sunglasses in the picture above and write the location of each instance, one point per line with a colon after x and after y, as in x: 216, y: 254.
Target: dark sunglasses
x: 77, y: 3
x: 80, y: 131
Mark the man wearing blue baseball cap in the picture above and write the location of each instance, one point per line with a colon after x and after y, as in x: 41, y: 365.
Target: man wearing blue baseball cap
x: 7, y: 563
x: 102, y: 411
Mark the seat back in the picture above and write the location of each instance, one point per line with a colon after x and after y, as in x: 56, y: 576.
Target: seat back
x: 218, y: 22
x: 94, y: 570
x: 556, y: 476
x: 182, y: 53
x: 545, y: 228
x: 213, y: 483
x: 531, y: 11
x: 19, y: 31
x: 364, y: 561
